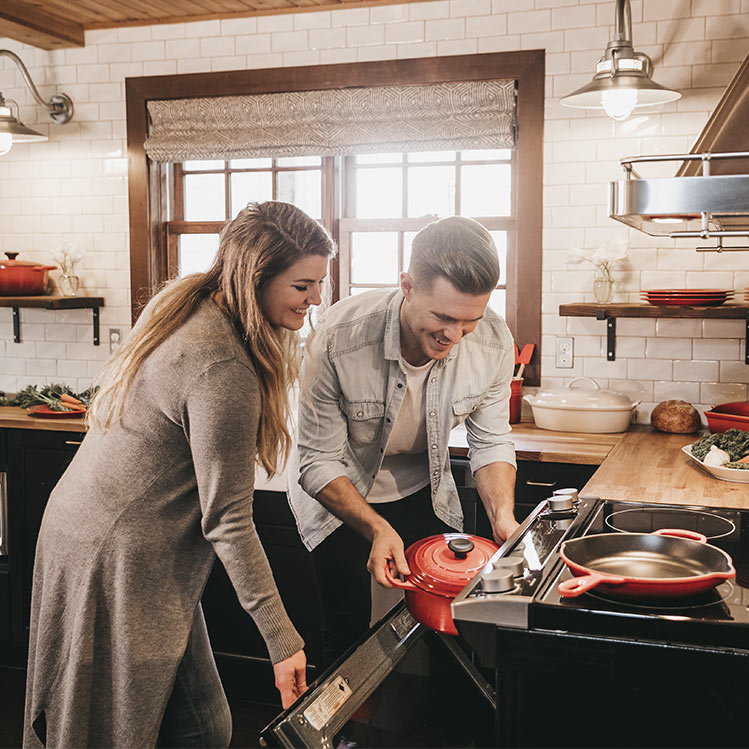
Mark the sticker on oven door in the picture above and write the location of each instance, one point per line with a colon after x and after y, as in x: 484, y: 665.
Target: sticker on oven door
x: 328, y: 703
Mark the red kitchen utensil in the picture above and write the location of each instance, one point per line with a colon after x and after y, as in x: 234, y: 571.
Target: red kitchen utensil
x: 728, y: 416
x: 441, y: 566
x: 668, y: 563
x: 525, y: 358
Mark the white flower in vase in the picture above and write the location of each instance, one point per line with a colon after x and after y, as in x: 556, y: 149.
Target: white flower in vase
x: 66, y: 256
x: 603, y: 259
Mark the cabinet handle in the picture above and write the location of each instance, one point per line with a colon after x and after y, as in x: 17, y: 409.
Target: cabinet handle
x: 541, y: 483
x: 73, y: 442
x: 3, y: 514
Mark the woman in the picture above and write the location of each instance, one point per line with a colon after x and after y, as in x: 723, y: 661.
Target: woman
x: 163, y: 482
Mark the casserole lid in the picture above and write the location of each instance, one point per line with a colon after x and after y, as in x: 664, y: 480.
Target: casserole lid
x: 590, y: 399
x: 444, y: 564
x: 11, y: 262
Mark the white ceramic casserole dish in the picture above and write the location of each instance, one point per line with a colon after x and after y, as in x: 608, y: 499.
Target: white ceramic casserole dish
x: 573, y: 409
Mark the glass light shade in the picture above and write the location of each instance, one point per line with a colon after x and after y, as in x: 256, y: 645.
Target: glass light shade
x: 6, y: 143
x: 619, y: 103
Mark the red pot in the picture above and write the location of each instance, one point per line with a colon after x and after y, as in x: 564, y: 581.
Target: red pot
x: 22, y: 278
x: 441, y: 566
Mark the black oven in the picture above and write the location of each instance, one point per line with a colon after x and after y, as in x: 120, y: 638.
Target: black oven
x: 402, y: 685
x: 594, y: 671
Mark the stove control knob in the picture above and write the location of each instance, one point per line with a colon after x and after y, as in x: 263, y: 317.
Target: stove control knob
x: 498, y: 580
x: 560, y: 502
x: 571, y: 492
x: 510, y: 564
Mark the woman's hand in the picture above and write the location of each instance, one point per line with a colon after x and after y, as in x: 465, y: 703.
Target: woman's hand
x: 291, y: 677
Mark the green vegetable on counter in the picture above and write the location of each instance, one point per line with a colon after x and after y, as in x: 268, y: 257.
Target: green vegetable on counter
x: 734, y: 441
x: 49, y: 395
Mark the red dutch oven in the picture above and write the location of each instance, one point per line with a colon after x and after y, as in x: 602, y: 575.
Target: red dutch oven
x: 22, y: 278
x: 668, y: 563
x: 441, y: 566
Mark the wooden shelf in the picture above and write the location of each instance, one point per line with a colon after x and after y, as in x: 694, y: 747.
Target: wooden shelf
x: 602, y: 311
x: 52, y: 302
x: 609, y: 313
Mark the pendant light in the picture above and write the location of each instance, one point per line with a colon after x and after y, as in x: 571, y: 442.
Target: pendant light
x: 12, y: 130
x: 623, y: 77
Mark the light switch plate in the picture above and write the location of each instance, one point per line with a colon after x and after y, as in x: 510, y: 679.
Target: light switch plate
x: 565, y: 357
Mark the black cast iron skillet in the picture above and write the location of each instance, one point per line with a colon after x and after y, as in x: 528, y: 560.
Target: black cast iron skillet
x: 668, y: 563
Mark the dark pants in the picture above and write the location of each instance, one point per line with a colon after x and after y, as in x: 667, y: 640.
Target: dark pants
x: 197, y: 714
x: 340, y: 563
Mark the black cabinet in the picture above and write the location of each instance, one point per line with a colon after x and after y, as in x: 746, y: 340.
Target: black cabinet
x: 535, y: 482
x: 35, y: 460
x: 240, y: 651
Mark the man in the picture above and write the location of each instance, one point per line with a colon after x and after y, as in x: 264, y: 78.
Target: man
x: 387, y: 376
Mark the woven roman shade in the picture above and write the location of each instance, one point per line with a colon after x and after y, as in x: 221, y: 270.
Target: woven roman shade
x: 333, y: 122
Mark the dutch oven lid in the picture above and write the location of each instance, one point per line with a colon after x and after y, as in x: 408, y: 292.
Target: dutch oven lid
x: 11, y: 262
x: 446, y: 563
x: 595, y: 399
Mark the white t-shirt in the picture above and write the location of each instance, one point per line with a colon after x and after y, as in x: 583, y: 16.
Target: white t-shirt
x: 405, y: 467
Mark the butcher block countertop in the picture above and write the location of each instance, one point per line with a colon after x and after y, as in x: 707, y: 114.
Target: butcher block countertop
x: 641, y: 465
x: 12, y: 417
x: 649, y: 466
x: 543, y: 445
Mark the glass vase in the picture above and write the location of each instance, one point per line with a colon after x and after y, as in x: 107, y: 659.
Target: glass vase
x: 69, y: 284
x: 603, y: 286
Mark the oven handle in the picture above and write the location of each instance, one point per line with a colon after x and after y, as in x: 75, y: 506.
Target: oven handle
x: 4, y: 550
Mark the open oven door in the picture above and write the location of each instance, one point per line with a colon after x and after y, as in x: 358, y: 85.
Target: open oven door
x: 401, y: 685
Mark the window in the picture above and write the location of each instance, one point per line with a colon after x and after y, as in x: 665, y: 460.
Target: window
x: 387, y: 198
x: 372, y: 204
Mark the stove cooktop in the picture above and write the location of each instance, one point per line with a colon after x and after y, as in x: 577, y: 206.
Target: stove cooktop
x: 718, y: 619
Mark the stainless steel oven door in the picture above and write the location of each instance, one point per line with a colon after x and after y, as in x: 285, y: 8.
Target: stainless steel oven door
x: 401, y: 685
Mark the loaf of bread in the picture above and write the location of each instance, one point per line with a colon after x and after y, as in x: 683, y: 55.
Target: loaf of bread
x: 676, y: 416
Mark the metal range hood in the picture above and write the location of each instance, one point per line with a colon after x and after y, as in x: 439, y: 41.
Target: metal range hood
x: 709, y: 195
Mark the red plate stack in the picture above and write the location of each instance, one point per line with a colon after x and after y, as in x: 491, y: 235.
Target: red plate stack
x: 746, y: 293
x: 687, y: 297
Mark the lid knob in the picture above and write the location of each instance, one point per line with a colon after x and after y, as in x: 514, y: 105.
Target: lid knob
x: 460, y: 547
x: 11, y: 255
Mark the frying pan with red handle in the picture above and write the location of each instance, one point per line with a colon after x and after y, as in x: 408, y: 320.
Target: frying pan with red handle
x: 668, y: 563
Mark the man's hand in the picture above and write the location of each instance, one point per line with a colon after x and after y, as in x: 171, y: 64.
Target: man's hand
x: 291, y: 677
x: 495, y: 484
x: 387, y: 548
x: 503, y: 526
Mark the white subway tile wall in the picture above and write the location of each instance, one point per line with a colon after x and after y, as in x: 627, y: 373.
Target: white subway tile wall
x: 74, y: 187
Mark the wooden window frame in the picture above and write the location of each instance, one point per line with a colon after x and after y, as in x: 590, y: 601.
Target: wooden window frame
x: 149, y: 182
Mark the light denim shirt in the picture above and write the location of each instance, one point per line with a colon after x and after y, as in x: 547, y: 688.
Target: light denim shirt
x: 356, y: 389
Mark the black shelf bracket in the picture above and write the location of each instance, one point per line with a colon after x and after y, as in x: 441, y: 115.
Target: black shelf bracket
x: 17, y: 325
x: 95, y: 311
x: 611, y: 333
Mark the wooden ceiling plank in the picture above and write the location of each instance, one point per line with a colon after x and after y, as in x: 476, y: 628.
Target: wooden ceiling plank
x: 252, y: 11
x: 77, y: 13
x: 28, y: 24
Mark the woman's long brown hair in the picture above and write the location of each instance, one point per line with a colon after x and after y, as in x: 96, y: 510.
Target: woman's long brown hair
x: 261, y: 242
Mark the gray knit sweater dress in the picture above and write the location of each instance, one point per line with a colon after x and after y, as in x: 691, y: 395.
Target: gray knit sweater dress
x: 130, y: 534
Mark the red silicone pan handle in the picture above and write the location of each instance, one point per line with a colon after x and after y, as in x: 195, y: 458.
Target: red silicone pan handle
x: 402, y: 584
x: 681, y: 533
x: 576, y: 586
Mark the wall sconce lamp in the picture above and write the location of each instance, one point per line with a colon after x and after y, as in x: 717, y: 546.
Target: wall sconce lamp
x: 623, y: 77
x: 12, y: 130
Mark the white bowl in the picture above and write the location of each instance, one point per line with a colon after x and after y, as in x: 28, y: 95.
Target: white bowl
x: 738, y: 475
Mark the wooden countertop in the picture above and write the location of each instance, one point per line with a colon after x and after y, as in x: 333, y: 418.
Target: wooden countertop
x: 12, y: 417
x: 531, y: 443
x: 545, y: 446
x: 649, y: 466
